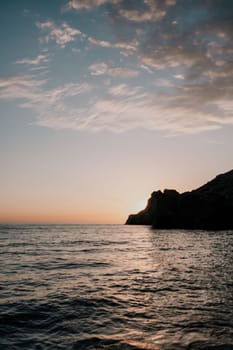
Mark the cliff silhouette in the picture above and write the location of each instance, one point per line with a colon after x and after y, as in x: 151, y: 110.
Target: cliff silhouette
x: 209, y: 207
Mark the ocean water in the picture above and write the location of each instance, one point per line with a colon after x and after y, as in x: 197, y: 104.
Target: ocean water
x: 115, y: 287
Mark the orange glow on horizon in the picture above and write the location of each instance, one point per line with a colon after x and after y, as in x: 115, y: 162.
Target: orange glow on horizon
x: 58, y: 218
x: 44, y: 207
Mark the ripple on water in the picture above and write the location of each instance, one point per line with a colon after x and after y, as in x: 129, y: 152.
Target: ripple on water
x: 111, y: 344
x: 115, y: 287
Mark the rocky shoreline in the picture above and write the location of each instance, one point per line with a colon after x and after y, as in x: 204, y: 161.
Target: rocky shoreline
x: 210, y: 207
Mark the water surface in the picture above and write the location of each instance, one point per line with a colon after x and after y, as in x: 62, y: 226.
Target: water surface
x: 115, y: 287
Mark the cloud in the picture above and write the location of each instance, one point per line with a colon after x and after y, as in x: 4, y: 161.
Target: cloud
x: 103, y: 69
x: 153, y: 12
x: 185, y: 49
x: 50, y: 101
x: 123, y: 110
x: 34, y: 61
x: 122, y: 90
x: 62, y: 34
x: 88, y: 4
x: 131, y: 47
x: 20, y: 87
x: 179, y: 76
x: 189, y: 109
x: 32, y: 93
x: 154, y: 9
x: 164, y: 83
x: 195, y: 57
x: 171, y: 56
x: 197, y: 41
x: 20, y: 80
x: 170, y: 2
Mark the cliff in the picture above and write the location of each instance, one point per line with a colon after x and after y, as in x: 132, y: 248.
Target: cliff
x: 208, y: 207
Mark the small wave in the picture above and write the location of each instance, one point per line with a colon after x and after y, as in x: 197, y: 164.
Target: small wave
x: 56, y: 265
x: 94, y: 302
x: 106, y: 288
x: 110, y: 344
x: 213, y: 347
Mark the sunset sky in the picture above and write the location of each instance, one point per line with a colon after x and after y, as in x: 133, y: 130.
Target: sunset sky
x: 104, y: 101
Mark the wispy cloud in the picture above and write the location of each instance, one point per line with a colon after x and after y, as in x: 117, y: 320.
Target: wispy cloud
x: 123, y: 110
x: 33, y: 61
x: 88, y: 4
x: 104, y: 69
x: 153, y: 12
x: 154, y: 8
x: 189, y: 109
x: 127, y: 46
x: 62, y: 34
x: 20, y: 87
x: 31, y: 92
x: 123, y: 90
x: 164, y: 83
x: 187, y: 84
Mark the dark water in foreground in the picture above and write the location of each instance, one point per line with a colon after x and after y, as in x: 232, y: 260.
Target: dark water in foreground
x: 115, y: 287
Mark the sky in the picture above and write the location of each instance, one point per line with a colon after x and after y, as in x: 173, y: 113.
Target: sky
x: 104, y: 101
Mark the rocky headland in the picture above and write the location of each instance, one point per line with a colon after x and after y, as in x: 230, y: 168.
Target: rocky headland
x: 209, y: 207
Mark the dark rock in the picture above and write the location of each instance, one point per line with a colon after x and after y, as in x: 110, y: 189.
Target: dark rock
x: 208, y: 207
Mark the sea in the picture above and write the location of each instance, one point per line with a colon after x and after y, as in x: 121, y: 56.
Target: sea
x: 113, y: 287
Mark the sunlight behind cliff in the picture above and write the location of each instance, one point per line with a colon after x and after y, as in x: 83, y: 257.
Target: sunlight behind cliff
x: 139, y: 204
